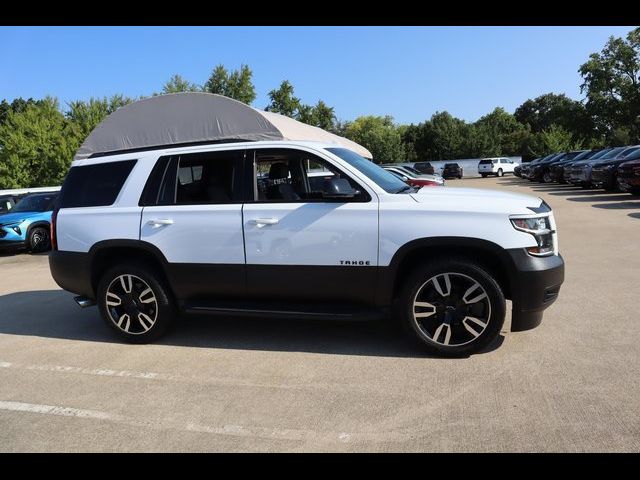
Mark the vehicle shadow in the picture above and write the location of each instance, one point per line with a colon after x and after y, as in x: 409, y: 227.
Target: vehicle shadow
x: 601, y: 198
x: 635, y: 215
x: 53, y: 314
x: 618, y: 205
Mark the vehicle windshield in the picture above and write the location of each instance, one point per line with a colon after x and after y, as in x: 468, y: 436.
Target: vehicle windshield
x: 633, y: 156
x: 411, y: 169
x: 613, y: 153
x: 585, y: 154
x: 35, y: 203
x: 383, y: 178
x: 599, y: 154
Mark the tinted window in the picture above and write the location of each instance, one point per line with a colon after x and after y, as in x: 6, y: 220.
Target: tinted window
x: 94, y: 185
x: 36, y: 203
x: 486, y: 162
x: 202, y: 178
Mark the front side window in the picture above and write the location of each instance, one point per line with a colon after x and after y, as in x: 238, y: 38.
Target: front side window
x: 286, y: 175
x: 384, y: 179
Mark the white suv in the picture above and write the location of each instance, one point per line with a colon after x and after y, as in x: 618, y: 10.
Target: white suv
x: 242, y: 228
x: 496, y: 166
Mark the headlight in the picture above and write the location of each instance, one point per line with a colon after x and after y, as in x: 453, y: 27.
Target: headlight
x: 541, y: 229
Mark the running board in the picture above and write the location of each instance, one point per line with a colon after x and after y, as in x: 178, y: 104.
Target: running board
x: 310, y: 312
x: 84, y: 302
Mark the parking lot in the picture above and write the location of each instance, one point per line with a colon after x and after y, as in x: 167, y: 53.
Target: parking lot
x: 270, y: 385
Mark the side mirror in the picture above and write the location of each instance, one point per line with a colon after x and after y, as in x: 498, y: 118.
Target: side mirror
x: 338, y: 188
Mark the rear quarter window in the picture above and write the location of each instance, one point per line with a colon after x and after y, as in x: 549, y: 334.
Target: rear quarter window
x: 94, y: 185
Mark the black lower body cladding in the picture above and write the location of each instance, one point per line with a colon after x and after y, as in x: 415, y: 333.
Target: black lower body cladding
x: 534, y: 282
x: 535, y: 285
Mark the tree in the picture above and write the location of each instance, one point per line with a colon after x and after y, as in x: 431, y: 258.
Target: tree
x: 379, y: 135
x: 177, y: 84
x: 17, y: 105
x: 324, y: 116
x: 283, y: 101
x: 501, y: 134
x: 611, y: 80
x: 86, y: 115
x: 36, y: 146
x: 554, y: 139
x: 237, y: 84
x: 552, y: 109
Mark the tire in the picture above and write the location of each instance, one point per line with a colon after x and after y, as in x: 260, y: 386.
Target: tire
x: 39, y: 239
x: 546, y: 177
x: 634, y: 190
x: 449, y: 332
x: 500, y: 173
x: 484, y: 175
x: 123, y: 283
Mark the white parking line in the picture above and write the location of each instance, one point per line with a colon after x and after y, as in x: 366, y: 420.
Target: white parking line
x: 55, y: 410
x: 229, y: 430
x: 104, y: 372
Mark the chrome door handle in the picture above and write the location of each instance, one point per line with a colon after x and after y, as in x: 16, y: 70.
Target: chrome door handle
x: 264, y: 221
x: 157, y: 222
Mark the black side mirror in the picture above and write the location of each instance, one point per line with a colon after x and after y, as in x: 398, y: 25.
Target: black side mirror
x: 338, y: 188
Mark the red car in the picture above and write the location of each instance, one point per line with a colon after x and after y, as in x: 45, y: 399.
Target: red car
x: 629, y: 177
x: 415, y: 180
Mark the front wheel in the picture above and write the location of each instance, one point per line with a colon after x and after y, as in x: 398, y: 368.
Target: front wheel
x: 484, y: 175
x: 452, y: 307
x: 135, y: 303
x: 500, y: 172
x: 546, y: 177
x: 39, y: 240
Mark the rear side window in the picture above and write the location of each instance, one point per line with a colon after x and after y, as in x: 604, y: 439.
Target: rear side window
x: 94, y: 185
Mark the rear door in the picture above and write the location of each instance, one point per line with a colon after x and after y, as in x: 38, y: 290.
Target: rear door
x: 195, y: 220
x: 300, y: 245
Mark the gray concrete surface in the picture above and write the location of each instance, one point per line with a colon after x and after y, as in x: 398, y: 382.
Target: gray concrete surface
x: 251, y: 385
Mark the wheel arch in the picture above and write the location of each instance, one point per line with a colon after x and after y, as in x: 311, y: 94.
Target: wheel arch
x: 487, y: 254
x: 107, y: 253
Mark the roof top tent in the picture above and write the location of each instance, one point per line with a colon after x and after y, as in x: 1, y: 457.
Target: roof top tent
x: 196, y: 117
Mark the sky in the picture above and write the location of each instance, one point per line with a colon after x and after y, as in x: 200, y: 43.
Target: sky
x: 406, y: 72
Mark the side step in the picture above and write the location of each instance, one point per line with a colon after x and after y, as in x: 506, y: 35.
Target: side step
x: 84, y: 302
x: 277, y: 310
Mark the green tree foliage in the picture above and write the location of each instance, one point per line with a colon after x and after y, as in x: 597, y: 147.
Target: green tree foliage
x: 554, y: 139
x: 552, y: 109
x: 85, y: 115
x: 36, y: 146
x: 177, y: 84
x: 283, y: 101
x: 611, y: 80
x: 378, y: 134
x: 236, y: 84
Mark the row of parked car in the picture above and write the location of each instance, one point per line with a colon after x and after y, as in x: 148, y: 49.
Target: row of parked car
x: 25, y: 221
x: 613, y: 168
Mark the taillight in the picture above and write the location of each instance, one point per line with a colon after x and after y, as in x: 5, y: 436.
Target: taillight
x: 54, y: 240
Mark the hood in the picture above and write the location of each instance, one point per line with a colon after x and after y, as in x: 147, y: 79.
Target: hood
x: 476, y: 200
x: 11, y: 217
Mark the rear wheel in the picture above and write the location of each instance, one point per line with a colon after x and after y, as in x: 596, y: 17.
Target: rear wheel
x: 500, y: 172
x: 39, y: 240
x: 135, y: 303
x: 451, y: 307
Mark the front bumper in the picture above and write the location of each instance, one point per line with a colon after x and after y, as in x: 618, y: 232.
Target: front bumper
x: 602, y: 177
x: 535, y: 285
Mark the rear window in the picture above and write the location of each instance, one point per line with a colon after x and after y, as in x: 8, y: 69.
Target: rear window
x: 94, y: 185
x: 487, y: 162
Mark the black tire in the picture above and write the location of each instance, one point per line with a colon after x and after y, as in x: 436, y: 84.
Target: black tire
x: 484, y: 175
x: 39, y: 239
x: 546, y: 177
x: 164, y: 307
x: 412, y: 291
x: 634, y: 190
x: 500, y: 173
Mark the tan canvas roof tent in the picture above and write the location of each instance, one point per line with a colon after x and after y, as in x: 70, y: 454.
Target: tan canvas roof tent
x: 196, y: 117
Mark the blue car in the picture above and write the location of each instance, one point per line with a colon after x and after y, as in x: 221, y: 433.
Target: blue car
x: 27, y: 225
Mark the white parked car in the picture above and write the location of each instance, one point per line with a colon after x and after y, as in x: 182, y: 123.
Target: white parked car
x: 496, y: 166
x: 239, y: 227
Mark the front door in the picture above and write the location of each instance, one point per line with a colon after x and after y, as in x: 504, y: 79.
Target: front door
x: 299, y: 243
